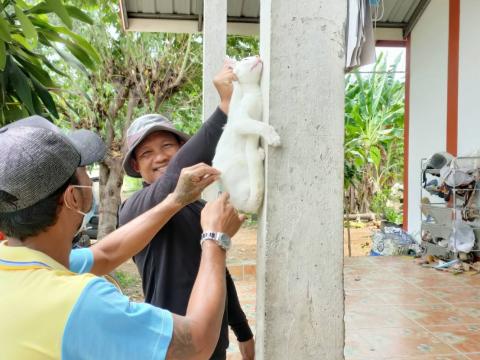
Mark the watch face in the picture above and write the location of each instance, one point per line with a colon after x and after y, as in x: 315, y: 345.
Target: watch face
x: 225, y: 240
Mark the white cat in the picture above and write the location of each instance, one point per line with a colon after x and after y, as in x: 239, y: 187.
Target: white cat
x: 238, y: 155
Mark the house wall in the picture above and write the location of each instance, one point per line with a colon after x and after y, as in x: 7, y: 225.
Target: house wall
x: 469, y: 78
x: 431, y: 90
x: 428, y: 98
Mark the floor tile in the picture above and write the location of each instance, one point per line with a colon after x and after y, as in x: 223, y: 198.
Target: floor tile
x: 357, y: 348
x: 463, y: 338
x: 473, y: 356
x: 471, y: 309
x: 430, y: 357
x: 409, y: 296
x: 398, y: 310
x: 375, y: 317
x: 427, y: 315
x: 405, y: 341
x: 469, y: 279
x: 353, y: 283
x: 456, y: 295
x: 357, y: 261
x: 381, y: 280
x: 433, y: 280
x: 362, y: 298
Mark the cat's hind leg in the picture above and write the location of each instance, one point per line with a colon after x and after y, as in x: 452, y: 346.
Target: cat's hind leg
x: 254, y: 156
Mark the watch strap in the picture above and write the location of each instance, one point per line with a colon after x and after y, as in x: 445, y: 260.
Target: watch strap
x: 222, y: 239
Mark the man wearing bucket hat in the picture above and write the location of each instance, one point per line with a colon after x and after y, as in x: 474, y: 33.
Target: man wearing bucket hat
x: 168, y: 265
x: 50, y: 307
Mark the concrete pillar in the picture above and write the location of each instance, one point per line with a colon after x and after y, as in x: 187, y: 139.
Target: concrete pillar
x: 300, y: 299
x: 214, y: 50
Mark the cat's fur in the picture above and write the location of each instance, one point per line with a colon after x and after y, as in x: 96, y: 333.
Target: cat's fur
x: 238, y: 155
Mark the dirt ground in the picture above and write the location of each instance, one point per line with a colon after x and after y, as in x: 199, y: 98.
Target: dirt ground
x: 243, y: 250
x: 361, y: 240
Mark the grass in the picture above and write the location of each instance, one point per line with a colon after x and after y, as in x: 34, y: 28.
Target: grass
x: 125, y: 279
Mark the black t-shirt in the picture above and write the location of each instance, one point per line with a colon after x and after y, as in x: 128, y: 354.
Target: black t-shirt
x: 169, y: 264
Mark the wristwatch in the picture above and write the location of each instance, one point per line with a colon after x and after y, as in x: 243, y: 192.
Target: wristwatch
x: 222, y: 239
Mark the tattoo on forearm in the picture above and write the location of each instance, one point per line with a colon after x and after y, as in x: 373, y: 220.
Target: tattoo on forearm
x: 185, y: 190
x: 181, y: 346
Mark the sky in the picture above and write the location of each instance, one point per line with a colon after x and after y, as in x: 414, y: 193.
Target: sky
x: 391, y: 54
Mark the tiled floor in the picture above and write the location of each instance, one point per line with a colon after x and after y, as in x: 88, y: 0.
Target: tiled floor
x: 397, y: 310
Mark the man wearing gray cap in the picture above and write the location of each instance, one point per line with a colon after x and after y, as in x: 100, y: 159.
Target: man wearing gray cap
x: 168, y: 265
x: 51, y: 304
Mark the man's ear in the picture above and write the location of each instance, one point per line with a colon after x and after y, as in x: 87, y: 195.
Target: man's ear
x: 70, y: 198
x: 134, y: 164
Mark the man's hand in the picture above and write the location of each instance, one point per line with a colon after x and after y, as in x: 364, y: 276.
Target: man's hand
x: 192, y: 181
x: 220, y: 216
x: 223, y: 84
x: 247, y: 349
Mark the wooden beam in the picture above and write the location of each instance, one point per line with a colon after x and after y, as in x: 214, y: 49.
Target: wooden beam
x: 391, y: 43
x: 406, y: 133
x: 452, y: 83
x: 123, y: 14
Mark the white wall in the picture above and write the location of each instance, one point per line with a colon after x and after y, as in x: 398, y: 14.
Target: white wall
x: 469, y: 78
x: 428, y: 98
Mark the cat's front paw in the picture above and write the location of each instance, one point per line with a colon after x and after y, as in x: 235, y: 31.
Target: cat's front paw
x: 261, y: 154
x: 271, y: 137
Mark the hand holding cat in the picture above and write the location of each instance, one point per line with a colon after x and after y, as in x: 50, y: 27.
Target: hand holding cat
x: 223, y: 82
x: 220, y: 215
x: 192, y: 181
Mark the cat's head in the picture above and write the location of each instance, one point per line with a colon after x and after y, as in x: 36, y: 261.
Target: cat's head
x: 248, y: 70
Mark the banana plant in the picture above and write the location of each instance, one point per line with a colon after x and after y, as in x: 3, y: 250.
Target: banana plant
x: 374, y: 115
x: 28, y: 32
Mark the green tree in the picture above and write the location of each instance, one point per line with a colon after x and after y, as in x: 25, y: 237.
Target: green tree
x: 374, y: 116
x: 138, y: 73
x: 32, y: 36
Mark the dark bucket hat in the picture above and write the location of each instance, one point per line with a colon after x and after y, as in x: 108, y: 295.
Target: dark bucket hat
x: 139, y: 130
x: 37, y: 158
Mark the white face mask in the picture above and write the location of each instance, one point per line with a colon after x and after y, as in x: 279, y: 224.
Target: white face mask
x: 88, y: 215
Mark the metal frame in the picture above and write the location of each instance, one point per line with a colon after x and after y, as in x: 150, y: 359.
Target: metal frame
x: 454, y: 207
x: 417, y: 14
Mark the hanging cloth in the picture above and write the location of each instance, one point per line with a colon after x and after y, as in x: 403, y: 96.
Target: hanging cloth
x: 360, y: 42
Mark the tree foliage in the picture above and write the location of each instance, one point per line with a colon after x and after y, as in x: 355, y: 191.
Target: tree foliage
x: 138, y: 73
x: 32, y: 37
x: 374, y: 116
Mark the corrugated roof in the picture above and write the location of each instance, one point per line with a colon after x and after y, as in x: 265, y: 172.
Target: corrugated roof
x: 189, y: 8
x: 396, y: 13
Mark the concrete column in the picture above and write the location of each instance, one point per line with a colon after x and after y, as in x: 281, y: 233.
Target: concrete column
x: 214, y: 50
x: 300, y: 299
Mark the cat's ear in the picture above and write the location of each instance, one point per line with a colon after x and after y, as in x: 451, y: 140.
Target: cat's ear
x: 230, y: 61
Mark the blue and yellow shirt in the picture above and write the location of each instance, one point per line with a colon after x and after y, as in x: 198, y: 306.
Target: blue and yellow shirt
x: 50, y: 312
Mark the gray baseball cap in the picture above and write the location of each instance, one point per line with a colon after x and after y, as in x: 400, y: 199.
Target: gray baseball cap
x: 140, y: 128
x: 36, y: 159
